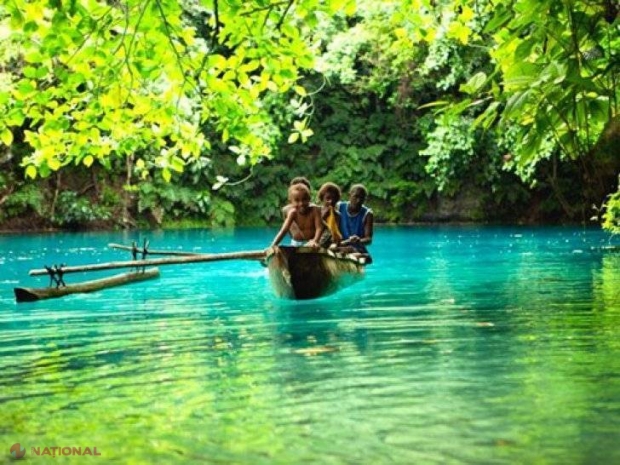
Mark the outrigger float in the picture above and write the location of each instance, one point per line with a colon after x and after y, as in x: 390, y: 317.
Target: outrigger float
x: 295, y: 272
x: 31, y: 294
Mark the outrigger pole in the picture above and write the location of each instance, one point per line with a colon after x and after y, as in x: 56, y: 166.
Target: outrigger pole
x: 244, y: 255
x: 133, y: 248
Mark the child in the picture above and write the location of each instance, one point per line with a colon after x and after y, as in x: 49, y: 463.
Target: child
x: 356, y: 221
x: 303, y: 221
x: 329, y: 196
x: 297, y: 180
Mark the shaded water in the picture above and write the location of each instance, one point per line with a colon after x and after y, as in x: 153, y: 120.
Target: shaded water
x: 462, y: 345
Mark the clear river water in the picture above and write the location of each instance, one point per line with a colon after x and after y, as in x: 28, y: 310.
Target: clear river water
x: 463, y: 345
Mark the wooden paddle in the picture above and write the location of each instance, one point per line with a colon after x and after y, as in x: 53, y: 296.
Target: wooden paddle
x: 244, y: 255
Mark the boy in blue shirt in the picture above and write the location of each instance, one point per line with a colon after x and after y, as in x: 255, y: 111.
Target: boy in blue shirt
x: 356, y: 220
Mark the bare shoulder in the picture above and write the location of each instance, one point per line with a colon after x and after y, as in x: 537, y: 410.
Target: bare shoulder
x: 291, y: 213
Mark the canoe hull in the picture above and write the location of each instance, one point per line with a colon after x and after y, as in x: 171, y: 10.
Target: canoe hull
x: 307, y: 273
x: 31, y: 294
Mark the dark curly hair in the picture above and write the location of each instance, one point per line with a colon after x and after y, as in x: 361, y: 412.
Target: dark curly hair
x: 331, y: 188
x: 301, y: 180
x: 359, y: 187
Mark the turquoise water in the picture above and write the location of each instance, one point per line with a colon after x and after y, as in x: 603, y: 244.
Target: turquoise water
x: 463, y: 345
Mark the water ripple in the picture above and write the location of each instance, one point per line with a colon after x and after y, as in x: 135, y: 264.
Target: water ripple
x: 462, y: 345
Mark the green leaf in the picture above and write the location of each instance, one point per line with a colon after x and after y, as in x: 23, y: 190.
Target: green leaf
x: 474, y: 84
x: 29, y: 72
x: 524, y: 50
x: 221, y: 180
x: 25, y: 89
x: 17, y: 18
x: 31, y: 171
x: 438, y: 103
x: 15, y: 117
x: 33, y: 56
x: 501, y: 16
x: 521, y: 75
x: 517, y: 102
x: 294, y: 137
x: 177, y: 164
x: 6, y: 136
x: 489, y: 115
x: 30, y: 27
x: 460, y: 107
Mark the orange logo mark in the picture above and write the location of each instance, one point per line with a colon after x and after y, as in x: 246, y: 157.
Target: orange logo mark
x: 17, y: 451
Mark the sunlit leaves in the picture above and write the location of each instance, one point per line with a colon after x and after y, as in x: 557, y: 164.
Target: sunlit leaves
x: 611, y: 214
x: 221, y: 180
x: 459, y: 31
x: 31, y: 172
x: 346, y: 6
x: 301, y: 132
x: 6, y: 136
x: 474, y: 84
x: 99, y: 106
x: 550, y: 91
x: 467, y: 14
x: 554, y: 84
x: 242, y: 154
x: 450, y: 148
x: 127, y: 68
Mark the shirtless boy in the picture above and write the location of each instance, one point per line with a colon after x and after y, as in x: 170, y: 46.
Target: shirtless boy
x: 303, y: 221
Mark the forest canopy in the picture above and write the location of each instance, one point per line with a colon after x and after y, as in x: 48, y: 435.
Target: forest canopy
x: 516, y: 95
x: 89, y: 80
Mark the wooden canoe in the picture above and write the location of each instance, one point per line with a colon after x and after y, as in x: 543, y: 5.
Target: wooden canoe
x: 308, y: 273
x: 30, y: 294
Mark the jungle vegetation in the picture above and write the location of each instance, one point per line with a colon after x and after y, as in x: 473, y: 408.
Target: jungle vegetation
x: 125, y: 113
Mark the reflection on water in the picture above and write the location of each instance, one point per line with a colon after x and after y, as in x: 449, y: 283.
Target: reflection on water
x: 462, y: 345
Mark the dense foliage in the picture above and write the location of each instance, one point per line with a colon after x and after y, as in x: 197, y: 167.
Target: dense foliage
x: 90, y: 81
x: 451, y: 109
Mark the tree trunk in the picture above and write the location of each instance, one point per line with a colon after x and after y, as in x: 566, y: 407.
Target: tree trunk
x: 128, y: 197
x: 56, y: 192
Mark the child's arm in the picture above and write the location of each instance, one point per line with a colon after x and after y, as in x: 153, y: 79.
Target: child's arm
x: 325, y: 213
x: 368, y: 229
x: 286, y: 226
x: 318, y: 228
